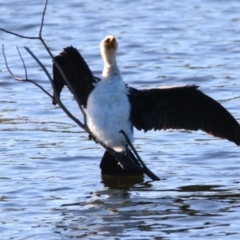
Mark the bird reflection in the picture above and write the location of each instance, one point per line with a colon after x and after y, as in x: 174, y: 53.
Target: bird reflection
x: 118, y: 182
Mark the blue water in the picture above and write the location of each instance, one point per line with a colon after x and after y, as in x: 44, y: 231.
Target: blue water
x: 50, y: 182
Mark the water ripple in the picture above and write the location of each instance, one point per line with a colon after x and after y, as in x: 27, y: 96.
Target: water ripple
x: 50, y: 182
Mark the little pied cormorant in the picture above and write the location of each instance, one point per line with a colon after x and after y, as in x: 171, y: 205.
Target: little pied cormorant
x: 113, y: 106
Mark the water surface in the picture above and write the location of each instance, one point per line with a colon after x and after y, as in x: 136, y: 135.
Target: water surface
x: 50, y: 182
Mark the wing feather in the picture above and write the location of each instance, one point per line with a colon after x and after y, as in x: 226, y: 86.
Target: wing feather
x: 77, y: 72
x: 182, y: 107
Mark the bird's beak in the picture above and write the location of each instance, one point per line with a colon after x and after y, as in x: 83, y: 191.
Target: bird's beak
x: 111, y: 43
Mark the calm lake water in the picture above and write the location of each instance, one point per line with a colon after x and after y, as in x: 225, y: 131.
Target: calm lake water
x: 50, y: 182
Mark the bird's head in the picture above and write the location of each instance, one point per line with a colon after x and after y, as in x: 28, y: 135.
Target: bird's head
x: 108, y: 48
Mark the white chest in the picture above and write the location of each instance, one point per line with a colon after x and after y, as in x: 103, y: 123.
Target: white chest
x: 109, y: 112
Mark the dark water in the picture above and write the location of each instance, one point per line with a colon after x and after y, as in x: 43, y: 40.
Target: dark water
x: 50, y: 183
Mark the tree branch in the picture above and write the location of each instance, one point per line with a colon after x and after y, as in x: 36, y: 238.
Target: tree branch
x: 24, y: 66
x: 18, y: 35
x: 124, y: 160
x: 21, y: 79
x: 42, y: 21
x: 140, y: 161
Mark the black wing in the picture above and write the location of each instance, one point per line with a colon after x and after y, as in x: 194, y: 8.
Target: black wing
x: 183, y: 107
x: 77, y: 72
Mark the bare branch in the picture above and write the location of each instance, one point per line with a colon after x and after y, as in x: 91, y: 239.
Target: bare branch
x: 6, y: 63
x: 124, y: 160
x: 27, y: 37
x: 24, y: 66
x: 18, y: 35
x: 48, y: 75
x: 39, y: 63
x: 42, y: 21
x: 50, y: 79
x: 67, y: 82
x: 21, y: 79
x: 140, y: 161
x: 39, y: 86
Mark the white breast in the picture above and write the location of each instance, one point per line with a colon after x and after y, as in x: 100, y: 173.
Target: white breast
x: 109, y: 112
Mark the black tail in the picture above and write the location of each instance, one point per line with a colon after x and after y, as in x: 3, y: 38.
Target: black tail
x: 109, y: 166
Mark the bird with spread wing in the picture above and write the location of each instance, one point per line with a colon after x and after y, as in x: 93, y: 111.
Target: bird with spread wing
x: 113, y: 106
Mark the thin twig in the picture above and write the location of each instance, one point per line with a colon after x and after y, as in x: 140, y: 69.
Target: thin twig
x: 50, y: 79
x: 20, y: 79
x: 24, y: 66
x: 39, y: 86
x: 132, y: 147
x: 59, y: 68
x: 123, y: 159
x: 65, y: 79
x: 140, y: 161
x: 42, y: 21
x: 39, y: 63
x: 54, y: 61
x: 46, y: 72
x: 18, y: 35
x: 6, y: 63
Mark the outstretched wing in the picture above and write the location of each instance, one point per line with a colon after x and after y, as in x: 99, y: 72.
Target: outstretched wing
x: 77, y: 72
x: 183, y: 107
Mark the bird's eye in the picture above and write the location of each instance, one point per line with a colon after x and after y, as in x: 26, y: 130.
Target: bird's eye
x: 107, y: 40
